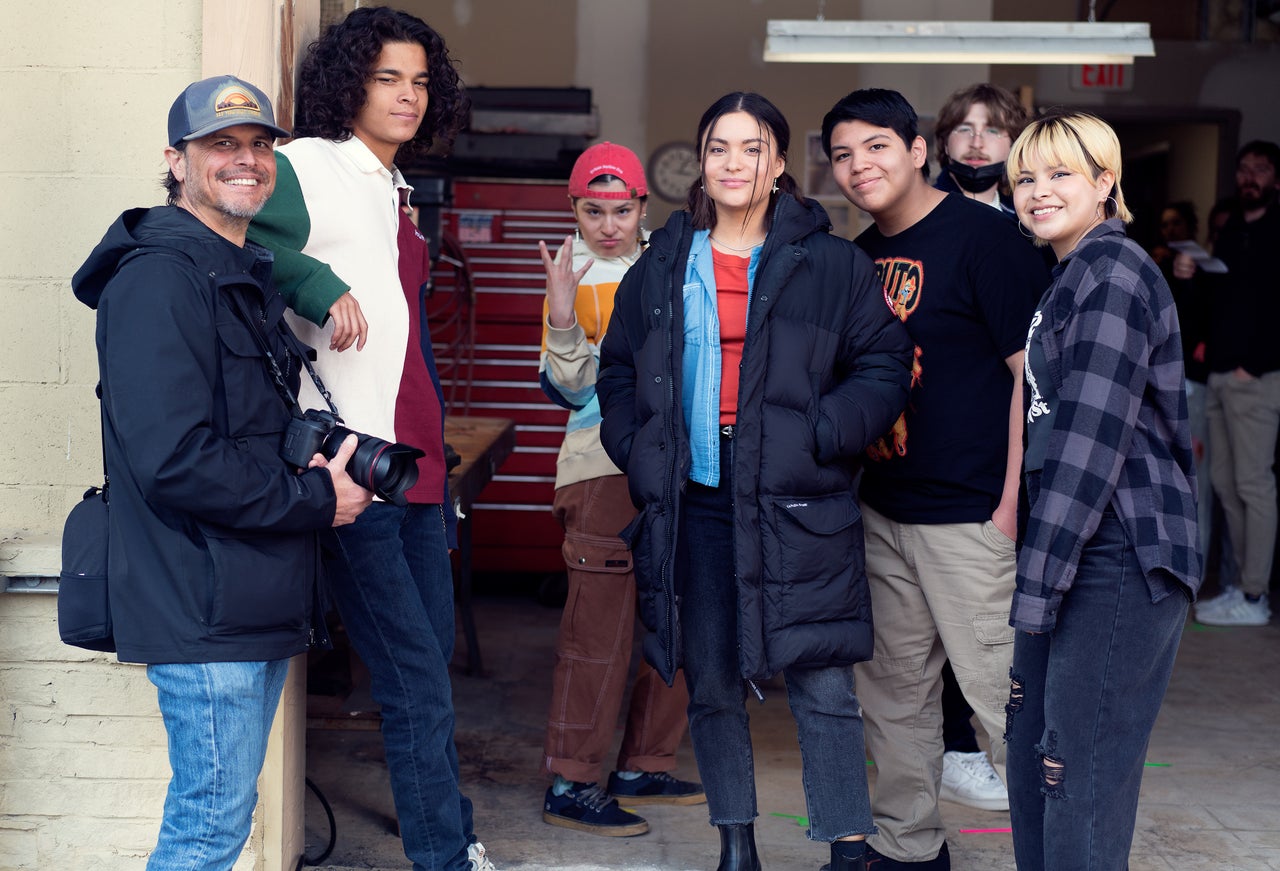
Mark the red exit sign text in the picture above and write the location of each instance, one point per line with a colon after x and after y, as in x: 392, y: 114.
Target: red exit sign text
x: 1102, y: 77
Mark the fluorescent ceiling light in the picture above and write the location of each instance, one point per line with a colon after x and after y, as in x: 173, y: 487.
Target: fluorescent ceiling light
x: 949, y: 42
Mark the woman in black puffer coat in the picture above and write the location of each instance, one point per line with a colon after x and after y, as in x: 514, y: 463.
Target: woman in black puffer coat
x: 750, y: 359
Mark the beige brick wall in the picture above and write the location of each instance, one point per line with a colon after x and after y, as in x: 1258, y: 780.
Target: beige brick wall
x: 85, y: 89
x: 82, y: 750
x: 83, y: 763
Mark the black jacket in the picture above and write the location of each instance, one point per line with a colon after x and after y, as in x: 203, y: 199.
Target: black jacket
x: 213, y: 539
x: 825, y: 371
x: 1244, y: 303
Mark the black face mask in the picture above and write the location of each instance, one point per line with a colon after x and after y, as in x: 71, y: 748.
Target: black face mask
x: 976, y: 179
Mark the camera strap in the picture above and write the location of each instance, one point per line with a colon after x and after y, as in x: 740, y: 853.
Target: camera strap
x: 273, y: 365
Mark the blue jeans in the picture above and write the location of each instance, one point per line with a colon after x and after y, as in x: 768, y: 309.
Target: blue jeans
x: 217, y: 716
x: 828, y: 717
x: 393, y: 586
x: 1083, y: 701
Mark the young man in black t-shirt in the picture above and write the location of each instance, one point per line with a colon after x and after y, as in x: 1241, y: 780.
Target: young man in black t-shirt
x: 940, y: 490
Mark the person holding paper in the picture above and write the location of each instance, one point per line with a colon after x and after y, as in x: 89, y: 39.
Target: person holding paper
x: 1243, y: 405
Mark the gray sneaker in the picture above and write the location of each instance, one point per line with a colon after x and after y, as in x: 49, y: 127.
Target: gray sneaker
x: 1240, y: 612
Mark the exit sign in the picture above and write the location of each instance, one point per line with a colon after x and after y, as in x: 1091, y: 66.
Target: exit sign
x: 1102, y: 77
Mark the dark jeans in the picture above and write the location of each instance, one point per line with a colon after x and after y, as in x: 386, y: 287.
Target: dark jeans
x: 394, y: 590
x: 1083, y: 701
x: 822, y: 700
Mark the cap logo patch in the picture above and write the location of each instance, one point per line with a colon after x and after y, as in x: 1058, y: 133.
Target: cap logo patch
x: 234, y: 99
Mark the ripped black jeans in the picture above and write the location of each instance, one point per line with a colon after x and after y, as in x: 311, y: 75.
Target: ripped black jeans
x: 1083, y: 700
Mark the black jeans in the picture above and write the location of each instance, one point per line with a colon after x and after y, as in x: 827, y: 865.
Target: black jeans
x: 1083, y: 701
x: 827, y: 714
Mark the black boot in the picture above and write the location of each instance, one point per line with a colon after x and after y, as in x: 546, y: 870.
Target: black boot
x: 738, y: 848
x: 870, y: 860
x: 941, y: 862
x: 848, y: 856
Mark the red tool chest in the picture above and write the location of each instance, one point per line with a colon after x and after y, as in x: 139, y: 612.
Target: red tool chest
x: 497, y: 225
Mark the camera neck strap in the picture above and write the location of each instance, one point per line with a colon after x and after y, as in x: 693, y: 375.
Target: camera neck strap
x: 273, y: 365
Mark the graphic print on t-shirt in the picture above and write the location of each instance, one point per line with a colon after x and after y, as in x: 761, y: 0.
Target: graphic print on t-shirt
x: 1037, y: 406
x: 903, y: 281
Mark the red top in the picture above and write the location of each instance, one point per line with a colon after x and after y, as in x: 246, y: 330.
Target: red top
x: 419, y: 413
x: 731, y: 305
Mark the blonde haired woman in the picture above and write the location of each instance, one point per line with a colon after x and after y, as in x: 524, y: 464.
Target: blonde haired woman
x: 1108, y: 562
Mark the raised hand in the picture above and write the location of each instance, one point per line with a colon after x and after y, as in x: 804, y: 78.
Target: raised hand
x: 562, y: 282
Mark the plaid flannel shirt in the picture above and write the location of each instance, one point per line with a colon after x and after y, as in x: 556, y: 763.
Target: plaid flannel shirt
x: 1120, y: 435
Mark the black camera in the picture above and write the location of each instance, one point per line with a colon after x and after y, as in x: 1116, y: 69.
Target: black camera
x: 388, y: 469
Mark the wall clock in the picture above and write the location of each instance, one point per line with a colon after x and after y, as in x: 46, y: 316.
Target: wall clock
x: 673, y: 168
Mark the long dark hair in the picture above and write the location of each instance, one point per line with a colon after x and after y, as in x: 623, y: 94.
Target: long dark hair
x: 701, y: 206
x: 335, y: 70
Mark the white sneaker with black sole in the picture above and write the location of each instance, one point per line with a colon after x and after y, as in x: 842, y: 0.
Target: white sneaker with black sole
x: 969, y: 779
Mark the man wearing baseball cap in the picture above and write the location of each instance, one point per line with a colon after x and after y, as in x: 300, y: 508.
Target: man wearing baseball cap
x: 213, y: 539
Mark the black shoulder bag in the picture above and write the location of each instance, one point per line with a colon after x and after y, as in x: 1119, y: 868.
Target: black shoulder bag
x: 84, y: 611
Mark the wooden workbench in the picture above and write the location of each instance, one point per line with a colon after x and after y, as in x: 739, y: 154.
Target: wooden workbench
x: 483, y: 443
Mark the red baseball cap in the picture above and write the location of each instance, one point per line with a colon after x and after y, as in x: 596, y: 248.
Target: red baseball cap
x: 606, y: 158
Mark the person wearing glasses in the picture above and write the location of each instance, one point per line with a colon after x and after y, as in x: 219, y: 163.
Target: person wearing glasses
x: 976, y: 129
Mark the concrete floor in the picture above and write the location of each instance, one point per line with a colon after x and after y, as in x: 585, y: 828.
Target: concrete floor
x: 1210, y: 797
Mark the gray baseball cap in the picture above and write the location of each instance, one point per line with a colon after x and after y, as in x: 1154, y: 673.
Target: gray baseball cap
x: 214, y: 104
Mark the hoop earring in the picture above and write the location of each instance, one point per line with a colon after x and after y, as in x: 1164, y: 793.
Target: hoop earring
x: 1115, y: 207
x: 1024, y: 232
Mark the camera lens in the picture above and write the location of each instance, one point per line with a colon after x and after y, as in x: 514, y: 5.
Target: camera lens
x: 389, y: 469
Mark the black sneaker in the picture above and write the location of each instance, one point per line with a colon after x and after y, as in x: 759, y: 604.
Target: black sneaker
x: 656, y: 787
x: 587, y: 808
x: 941, y: 862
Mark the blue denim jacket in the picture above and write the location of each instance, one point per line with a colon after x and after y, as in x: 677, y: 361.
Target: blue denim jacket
x: 700, y: 372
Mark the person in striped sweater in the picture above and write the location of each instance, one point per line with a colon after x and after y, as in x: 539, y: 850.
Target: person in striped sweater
x: 608, y: 192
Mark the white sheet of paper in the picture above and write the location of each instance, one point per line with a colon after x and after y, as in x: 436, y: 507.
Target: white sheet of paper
x: 1203, y: 258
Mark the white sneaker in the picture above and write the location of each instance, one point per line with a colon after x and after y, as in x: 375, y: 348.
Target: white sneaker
x: 1238, y: 613
x: 479, y: 861
x: 968, y: 778
x: 1225, y: 599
